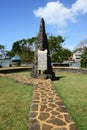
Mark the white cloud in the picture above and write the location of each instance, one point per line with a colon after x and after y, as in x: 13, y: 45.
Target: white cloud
x: 80, y: 6
x: 55, y: 13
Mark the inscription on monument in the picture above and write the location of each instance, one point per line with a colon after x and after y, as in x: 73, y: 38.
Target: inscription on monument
x: 42, y: 60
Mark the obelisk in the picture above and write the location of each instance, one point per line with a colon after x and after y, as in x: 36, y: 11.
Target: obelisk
x: 42, y: 63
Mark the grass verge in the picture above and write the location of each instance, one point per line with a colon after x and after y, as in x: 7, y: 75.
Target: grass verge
x: 72, y: 88
x: 15, y: 100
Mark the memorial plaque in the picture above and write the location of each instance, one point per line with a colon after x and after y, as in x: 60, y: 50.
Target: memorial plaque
x: 42, y: 60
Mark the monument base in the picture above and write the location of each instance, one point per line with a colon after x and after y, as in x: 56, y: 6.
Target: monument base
x: 43, y: 75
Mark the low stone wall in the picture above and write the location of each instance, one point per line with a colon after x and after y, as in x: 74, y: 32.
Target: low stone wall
x: 69, y: 69
x: 14, y: 69
x: 55, y: 69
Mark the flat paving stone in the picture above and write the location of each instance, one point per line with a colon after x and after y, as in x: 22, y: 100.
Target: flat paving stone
x: 57, y: 121
x: 34, y: 125
x: 43, y: 116
x: 60, y: 129
x: 46, y: 127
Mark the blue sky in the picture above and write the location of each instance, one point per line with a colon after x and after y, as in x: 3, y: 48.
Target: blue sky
x: 21, y: 19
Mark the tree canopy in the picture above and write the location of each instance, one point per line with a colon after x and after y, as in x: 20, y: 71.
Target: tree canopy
x: 25, y: 49
x: 58, y: 53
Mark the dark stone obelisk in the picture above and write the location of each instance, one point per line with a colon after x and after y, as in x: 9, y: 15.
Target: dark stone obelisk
x: 42, y: 45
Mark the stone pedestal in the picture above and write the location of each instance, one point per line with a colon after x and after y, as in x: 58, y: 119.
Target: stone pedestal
x: 45, y: 70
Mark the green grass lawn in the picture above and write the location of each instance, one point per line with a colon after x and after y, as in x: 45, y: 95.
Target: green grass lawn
x: 72, y: 88
x: 15, y: 101
x: 27, y: 74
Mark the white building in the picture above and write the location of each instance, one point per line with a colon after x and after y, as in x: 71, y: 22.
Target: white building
x: 77, y: 55
x: 78, y: 51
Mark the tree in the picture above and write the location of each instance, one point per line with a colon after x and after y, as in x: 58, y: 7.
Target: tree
x: 57, y: 52
x: 2, y: 47
x: 55, y: 43
x: 23, y: 48
x: 84, y: 58
x: 66, y: 54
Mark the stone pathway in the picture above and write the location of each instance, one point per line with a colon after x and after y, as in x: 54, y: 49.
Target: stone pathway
x: 47, y: 110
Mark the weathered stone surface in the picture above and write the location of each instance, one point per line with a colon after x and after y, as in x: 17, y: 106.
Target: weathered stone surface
x: 46, y: 127
x: 62, y: 109
x: 60, y: 116
x: 50, y: 99
x: 52, y: 105
x: 68, y: 118
x: 72, y: 127
x: 36, y: 95
x: 59, y: 103
x: 33, y: 114
x: 49, y: 109
x: 60, y: 128
x: 43, y: 116
x: 56, y: 121
x: 36, y: 102
x: 54, y: 112
x: 34, y: 125
x: 36, y: 99
x: 34, y: 107
x: 43, y: 107
x: 44, y: 102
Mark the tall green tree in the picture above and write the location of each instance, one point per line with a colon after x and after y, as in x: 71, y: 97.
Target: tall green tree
x: 23, y: 48
x: 55, y: 43
x: 57, y: 52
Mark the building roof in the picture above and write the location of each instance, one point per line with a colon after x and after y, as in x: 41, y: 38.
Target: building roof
x: 16, y: 58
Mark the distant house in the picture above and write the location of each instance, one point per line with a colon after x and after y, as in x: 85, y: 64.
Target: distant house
x: 16, y: 60
x: 78, y: 51
x: 77, y: 55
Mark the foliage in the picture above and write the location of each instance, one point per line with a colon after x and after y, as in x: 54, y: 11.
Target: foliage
x: 57, y: 52
x: 55, y: 43
x: 72, y: 88
x: 3, y: 52
x: 84, y: 59
x: 1, y: 47
x: 23, y: 48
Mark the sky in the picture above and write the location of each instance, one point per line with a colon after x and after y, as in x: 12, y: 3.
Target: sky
x: 20, y: 19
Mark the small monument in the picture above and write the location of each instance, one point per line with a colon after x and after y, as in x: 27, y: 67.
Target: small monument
x: 42, y: 63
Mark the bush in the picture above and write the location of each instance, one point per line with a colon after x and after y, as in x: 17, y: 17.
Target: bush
x: 84, y: 59
x: 84, y: 63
